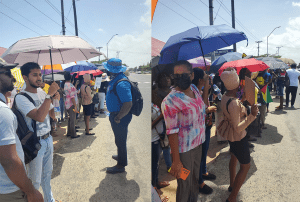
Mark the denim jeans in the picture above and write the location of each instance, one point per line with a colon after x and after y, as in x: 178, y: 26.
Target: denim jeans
x: 120, y: 131
x: 62, y: 106
x: 156, y: 151
x: 167, y: 157
x: 205, y: 147
x: 40, y: 169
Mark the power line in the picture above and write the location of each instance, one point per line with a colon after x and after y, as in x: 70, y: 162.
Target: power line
x: 20, y: 23
x: 190, y: 13
x: 217, y: 12
x: 237, y: 20
x: 24, y: 17
x: 177, y: 13
x: 59, y: 12
x: 69, y: 11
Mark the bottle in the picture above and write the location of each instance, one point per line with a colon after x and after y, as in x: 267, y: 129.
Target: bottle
x: 56, y: 111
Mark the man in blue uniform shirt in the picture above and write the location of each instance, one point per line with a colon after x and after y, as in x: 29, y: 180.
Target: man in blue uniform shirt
x: 119, y: 107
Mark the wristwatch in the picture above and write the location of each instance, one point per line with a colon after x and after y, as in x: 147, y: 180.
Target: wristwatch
x: 48, y: 96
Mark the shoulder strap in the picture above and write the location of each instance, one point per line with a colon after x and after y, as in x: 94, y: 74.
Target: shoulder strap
x: 227, y: 104
x: 85, y: 88
x: 114, y: 90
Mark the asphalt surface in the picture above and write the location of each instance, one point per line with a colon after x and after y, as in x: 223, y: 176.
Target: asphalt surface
x: 80, y: 164
x: 275, y: 162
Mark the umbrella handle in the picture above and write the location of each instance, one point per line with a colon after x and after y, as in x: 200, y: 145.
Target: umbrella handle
x: 202, y: 54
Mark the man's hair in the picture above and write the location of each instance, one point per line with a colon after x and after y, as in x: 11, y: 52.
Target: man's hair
x: 185, y: 63
x: 293, y: 66
x: 198, y: 74
x: 26, y: 68
x: 67, y: 76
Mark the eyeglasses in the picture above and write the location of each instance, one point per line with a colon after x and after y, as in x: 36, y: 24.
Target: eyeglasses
x: 177, y: 76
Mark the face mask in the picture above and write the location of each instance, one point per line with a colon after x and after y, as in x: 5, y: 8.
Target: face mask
x: 183, y: 82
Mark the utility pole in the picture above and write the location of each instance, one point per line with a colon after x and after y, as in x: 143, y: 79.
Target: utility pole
x: 63, y: 18
x: 75, y: 18
x: 211, y: 22
x: 278, y: 49
x: 99, y: 51
x: 258, y: 46
x: 117, y: 56
x: 233, y: 21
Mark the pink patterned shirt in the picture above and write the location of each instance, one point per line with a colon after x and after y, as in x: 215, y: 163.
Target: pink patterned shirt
x: 186, y: 116
x: 70, y: 92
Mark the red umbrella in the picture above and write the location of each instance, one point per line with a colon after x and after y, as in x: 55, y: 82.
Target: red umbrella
x: 94, y: 72
x: 252, y: 64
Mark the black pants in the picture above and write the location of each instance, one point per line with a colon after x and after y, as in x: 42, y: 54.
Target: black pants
x: 293, y: 91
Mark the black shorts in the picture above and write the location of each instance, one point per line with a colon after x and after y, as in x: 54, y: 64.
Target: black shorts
x: 240, y: 150
x: 88, y: 109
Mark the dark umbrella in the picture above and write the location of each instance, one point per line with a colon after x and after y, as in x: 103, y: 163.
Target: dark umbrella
x: 199, y: 41
x: 56, y: 77
x: 216, y: 65
x: 274, y: 63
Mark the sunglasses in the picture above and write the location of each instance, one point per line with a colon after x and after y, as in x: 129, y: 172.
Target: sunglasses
x: 177, y: 76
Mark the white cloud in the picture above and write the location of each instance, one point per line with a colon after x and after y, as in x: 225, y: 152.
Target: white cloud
x: 289, y: 40
x: 146, y: 18
x: 296, y: 4
x: 101, y: 30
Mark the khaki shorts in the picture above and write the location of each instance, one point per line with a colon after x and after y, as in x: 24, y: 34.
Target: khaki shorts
x: 18, y: 196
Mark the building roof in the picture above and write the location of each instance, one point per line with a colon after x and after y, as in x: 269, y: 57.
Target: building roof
x: 156, y: 46
x: 2, y: 50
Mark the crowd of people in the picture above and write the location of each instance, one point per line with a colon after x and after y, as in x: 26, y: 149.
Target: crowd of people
x: 183, y: 106
x: 41, y: 106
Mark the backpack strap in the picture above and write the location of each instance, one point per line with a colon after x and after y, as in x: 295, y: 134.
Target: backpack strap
x: 114, y: 90
x: 227, y: 104
x: 31, y: 100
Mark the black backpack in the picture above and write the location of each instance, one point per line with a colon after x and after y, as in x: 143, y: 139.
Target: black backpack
x: 29, y: 140
x: 137, y: 99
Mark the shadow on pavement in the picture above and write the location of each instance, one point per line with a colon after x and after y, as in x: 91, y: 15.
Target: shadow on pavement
x: 220, y: 194
x: 58, y: 161
x: 214, y: 147
x: 220, y: 167
x: 278, y: 112
x: 269, y: 136
x: 115, y: 188
x: 77, y: 144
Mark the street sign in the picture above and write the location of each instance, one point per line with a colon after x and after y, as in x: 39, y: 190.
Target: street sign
x: 219, y: 52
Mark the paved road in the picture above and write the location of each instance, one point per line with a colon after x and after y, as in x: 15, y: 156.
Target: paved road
x: 275, y: 162
x: 79, y: 166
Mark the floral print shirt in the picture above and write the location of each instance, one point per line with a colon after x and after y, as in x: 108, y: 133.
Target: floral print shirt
x: 70, y: 92
x: 186, y: 116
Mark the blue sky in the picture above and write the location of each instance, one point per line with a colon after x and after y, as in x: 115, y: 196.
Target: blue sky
x: 97, y: 21
x: 258, y: 18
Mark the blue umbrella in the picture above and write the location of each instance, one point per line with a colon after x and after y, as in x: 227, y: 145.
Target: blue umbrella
x: 199, y: 41
x: 216, y: 65
x: 78, y: 68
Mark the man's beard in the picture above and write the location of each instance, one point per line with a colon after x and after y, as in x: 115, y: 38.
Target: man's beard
x: 6, y: 85
x: 32, y: 85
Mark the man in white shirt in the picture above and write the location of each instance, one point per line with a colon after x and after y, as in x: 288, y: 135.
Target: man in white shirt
x: 40, y: 168
x: 294, y: 76
x: 15, y: 186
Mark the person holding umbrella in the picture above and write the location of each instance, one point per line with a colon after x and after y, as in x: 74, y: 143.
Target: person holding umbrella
x: 40, y: 168
x: 184, y: 114
x: 236, y: 113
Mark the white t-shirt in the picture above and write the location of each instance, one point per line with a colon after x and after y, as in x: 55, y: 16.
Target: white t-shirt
x: 293, y: 75
x: 158, y: 129
x: 25, y: 106
x: 8, y: 136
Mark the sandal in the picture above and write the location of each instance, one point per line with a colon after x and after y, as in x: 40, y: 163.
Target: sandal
x: 210, y: 176
x: 164, y: 198
x: 89, y: 133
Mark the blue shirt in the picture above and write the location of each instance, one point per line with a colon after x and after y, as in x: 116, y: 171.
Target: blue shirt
x: 267, y: 76
x: 8, y: 136
x: 123, y: 90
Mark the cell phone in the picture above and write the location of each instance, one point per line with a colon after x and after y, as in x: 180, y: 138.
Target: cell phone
x: 183, y: 174
x: 258, y: 104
